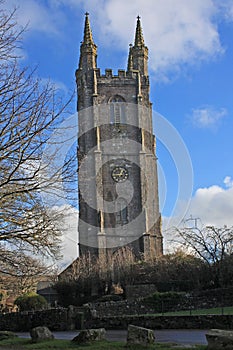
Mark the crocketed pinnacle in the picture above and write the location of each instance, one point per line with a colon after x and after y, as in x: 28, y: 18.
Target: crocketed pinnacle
x: 87, y: 38
x: 130, y: 59
x: 88, y: 49
x: 139, y: 40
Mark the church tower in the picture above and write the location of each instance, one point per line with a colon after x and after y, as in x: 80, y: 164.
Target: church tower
x: 117, y: 165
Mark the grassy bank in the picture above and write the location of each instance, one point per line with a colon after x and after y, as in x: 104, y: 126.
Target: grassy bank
x: 228, y: 310
x: 24, y: 344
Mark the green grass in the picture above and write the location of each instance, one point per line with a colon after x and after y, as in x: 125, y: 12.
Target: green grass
x: 213, y: 311
x: 26, y: 344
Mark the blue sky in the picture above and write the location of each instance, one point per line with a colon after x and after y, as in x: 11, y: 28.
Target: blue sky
x: 191, y: 75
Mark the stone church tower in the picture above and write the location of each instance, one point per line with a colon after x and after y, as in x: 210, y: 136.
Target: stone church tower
x: 117, y: 175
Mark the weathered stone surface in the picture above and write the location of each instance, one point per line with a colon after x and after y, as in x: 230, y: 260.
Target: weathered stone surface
x: 6, y: 335
x: 163, y: 322
x: 41, y: 333
x: 121, y: 142
x: 140, y: 335
x: 90, y: 335
x: 219, y: 339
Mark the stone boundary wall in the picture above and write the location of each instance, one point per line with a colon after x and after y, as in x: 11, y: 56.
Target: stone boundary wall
x: 137, y: 306
x: 137, y: 291
x: 122, y: 307
x: 164, y: 322
x: 79, y: 318
x: 60, y: 319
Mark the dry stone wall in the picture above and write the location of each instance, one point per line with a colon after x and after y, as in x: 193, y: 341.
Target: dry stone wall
x: 19, y: 322
x: 164, y: 322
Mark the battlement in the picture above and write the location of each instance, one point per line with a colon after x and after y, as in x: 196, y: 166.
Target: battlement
x: 122, y: 74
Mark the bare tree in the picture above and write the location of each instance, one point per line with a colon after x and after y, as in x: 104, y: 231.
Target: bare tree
x: 29, y: 112
x: 20, y: 273
x: 124, y: 264
x: 100, y: 275
x: 83, y: 268
x: 211, y: 244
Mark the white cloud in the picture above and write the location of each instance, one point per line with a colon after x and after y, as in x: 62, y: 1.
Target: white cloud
x: 59, y: 86
x: 207, y: 117
x: 69, y: 229
x: 209, y: 206
x: 36, y: 16
x: 186, y: 33
x: 212, y: 205
x: 226, y: 9
x: 228, y: 182
x: 176, y: 35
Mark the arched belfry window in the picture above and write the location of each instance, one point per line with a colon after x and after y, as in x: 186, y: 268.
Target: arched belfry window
x: 117, y: 110
x: 121, y: 212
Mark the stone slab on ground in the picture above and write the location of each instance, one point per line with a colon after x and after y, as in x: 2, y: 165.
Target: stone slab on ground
x: 41, y: 333
x: 90, y: 335
x: 140, y: 335
x: 219, y: 339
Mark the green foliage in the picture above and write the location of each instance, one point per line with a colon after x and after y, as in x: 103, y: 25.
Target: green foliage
x: 6, y: 335
x: 72, y: 293
x: 226, y: 271
x: 110, y: 297
x: 30, y: 301
x: 227, y: 310
x: 67, y: 293
x: 179, y: 272
x: 164, y: 301
x: 157, y: 296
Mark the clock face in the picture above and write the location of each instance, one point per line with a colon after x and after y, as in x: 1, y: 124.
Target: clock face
x: 120, y: 174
